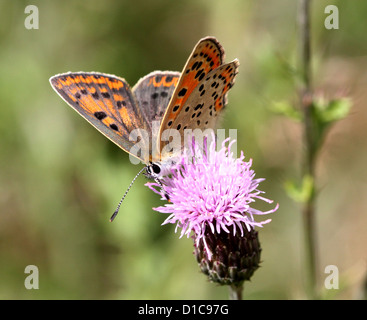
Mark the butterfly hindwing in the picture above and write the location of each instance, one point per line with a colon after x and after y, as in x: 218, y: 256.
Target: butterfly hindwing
x: 153, y: 93
x: 105, y: 101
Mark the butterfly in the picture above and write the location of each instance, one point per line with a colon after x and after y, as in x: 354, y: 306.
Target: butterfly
x: 177, y: 101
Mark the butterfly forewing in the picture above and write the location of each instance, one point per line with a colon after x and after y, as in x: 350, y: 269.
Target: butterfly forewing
x: 202, y: 108
x: 207, y: 55
x: 105, y: 101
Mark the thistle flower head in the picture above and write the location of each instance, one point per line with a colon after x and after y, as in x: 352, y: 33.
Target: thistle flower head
x: 212, y: 191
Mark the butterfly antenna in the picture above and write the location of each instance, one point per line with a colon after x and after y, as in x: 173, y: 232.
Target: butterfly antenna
x: 122, y: 199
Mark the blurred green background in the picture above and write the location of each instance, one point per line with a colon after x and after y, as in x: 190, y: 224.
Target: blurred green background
x: 60, y: 179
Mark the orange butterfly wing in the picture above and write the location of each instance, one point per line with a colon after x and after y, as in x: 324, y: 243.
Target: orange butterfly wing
x: 207, y: 55
x: 105, y: 101
x: 201, y: 92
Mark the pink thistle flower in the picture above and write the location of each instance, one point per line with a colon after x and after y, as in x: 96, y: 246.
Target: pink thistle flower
x: 211, y: 190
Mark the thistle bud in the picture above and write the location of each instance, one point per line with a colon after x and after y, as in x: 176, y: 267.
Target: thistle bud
x: 234, y: 257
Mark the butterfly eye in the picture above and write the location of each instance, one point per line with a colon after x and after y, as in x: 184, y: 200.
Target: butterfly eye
x: 156, y: 168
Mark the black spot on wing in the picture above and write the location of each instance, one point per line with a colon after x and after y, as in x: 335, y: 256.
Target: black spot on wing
x: 114, y: 127
x: 182, y: 92
x: 100, y: 115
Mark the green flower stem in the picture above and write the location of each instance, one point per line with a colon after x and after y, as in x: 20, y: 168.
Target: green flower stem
x: 235, y: 292
x: 309, y: 138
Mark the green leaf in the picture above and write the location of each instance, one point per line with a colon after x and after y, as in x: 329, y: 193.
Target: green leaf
x: 333, y: 110
x: 300, y: 193
x: 286, y: 109
x: 324, y: 113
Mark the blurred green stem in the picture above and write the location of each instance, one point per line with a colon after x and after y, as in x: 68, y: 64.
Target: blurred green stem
x: 310, y: 152
x: 235, y: 292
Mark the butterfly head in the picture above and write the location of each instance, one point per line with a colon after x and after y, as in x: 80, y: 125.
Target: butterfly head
x: 153, y: 170
x: 157, y: 170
